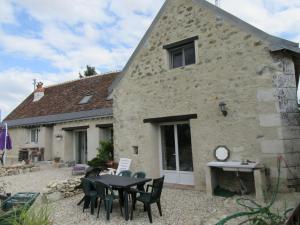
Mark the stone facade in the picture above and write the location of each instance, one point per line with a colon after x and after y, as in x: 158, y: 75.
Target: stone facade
x: 232, y: 65
x: 64, y: 147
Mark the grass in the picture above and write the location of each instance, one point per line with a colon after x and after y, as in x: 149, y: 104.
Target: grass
x: 35, y: 216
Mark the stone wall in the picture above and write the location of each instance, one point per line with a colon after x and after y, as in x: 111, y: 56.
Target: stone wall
x: 57, y: 190
x: 233, y: 66
x: 17, y: 169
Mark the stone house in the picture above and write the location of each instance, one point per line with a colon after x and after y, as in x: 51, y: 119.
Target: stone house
x: 194, y: 56
x: 67, y: 120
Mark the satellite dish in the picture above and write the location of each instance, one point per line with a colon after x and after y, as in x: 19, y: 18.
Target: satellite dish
x: 222, y: 153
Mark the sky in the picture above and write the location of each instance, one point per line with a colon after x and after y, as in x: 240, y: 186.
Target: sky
x: 53, y: 40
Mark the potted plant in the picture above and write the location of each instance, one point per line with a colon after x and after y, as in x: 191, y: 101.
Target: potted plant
x: 57, y: 158
x: 105, y: 155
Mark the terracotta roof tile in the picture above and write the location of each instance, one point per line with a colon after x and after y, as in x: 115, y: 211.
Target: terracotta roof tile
x: 65, y: 98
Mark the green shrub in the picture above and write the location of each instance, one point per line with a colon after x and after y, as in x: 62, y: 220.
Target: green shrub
x: 105, y: 153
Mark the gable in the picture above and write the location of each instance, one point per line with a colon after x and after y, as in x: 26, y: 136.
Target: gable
x: 275, y: 44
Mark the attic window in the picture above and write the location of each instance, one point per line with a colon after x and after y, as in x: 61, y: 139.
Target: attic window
x: 182, y: 53
x: 86, y: 99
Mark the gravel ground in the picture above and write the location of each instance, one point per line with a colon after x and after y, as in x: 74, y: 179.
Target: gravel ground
x: 180, y: 207
x: 35, y: 181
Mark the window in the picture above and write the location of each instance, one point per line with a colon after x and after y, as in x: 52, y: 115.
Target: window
x: 85, y: 99
x: 34, y: 135
x: 183, y: 56
x: 182, y: 53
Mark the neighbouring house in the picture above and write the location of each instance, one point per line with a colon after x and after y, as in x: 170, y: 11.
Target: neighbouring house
x: 67, y: 120
x: 194, y: 58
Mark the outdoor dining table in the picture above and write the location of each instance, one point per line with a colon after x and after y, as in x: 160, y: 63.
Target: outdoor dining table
x: 123, y: 184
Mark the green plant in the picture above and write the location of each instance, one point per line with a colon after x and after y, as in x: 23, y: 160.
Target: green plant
x: 258, y: 214
x: 35, y: 216
x: 105, y: 153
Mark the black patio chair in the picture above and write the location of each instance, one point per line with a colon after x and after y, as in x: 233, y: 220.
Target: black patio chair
x: 105, y: 193
x: 90, y: 194
x: 91, y: 172
x: 149, y: 198
x: 125, y: 173
x: 139, y: 187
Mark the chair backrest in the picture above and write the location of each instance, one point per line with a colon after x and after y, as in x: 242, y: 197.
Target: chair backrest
x: 87, y: 185
x: 124, y: 164
x: 92, y: 172
x: 157, y: 188
x: 139, y: 175
x: 125, y: 173
x: 101, y: 189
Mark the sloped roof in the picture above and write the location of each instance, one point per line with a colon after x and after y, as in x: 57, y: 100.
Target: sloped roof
x: 275, y: 43
x: 61, y: 102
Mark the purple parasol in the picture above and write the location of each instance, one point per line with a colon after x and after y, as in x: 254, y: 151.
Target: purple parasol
x: 5, y: 140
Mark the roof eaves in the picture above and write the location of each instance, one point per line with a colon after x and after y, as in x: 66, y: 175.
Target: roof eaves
x: 59, y: 118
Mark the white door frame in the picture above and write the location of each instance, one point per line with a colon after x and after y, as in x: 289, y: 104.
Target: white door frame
x: 182, y: 177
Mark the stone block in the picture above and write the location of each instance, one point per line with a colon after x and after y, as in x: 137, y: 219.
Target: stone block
x: 265, y: 95
x: 289, y: 132
x: 286, y: 93
x: 270, y: 120
x: 285, y: 105
x: 292, y: 146
x: 290, y: 119
x: 272, y: 146
x: 284, y: 81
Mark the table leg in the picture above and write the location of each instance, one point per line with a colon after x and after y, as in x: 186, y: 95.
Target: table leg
x: 126, y: 205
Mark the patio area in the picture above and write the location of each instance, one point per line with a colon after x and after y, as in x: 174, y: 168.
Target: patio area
x: 179, y: 206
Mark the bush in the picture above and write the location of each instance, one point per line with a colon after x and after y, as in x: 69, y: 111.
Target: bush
x: 105, y: 153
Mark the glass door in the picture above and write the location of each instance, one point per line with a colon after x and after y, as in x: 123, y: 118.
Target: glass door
x: 81, y: 153
x: 176, y: 153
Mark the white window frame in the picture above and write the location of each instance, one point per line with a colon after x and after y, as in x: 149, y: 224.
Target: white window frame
x: 35, y: 132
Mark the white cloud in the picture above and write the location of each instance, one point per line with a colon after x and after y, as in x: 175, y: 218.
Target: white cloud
x: 67, y: 11
x: 277, y: 17
x: 16, y: 85
x: 6, y: 12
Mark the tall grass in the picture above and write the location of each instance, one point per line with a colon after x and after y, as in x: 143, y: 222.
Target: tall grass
x: 35, y: 216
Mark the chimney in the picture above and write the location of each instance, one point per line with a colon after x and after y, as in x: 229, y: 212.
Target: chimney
x: 38, y: 92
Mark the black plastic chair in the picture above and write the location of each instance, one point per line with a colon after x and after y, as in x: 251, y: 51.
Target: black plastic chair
x: 105, y: 193
x: 90, y: 172
x: 125, y: 173
x: 139, y: 187
x: 90, y: 194
x: 149, y: 198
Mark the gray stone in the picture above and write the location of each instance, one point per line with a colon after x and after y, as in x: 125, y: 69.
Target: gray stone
x: 270, y: 120
x: 272, y: 146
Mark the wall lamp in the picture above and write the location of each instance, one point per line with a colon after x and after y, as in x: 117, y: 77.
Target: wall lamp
x: 59, y: 137
x: 223, y: 108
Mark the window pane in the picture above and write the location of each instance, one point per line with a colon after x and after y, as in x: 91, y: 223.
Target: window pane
x: 189, y: 54
x: 168, y: 147
x: 177, y: 59
x: 185, y: 147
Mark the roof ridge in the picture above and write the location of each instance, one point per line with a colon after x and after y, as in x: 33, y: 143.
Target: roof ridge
x: 84, y: 78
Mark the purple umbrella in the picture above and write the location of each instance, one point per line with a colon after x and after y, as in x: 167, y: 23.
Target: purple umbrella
x: 5, y: 143
x: 5, y: 140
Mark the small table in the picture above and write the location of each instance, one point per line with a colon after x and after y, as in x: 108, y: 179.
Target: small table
x: 256, y: 168
x: 123, y: 183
